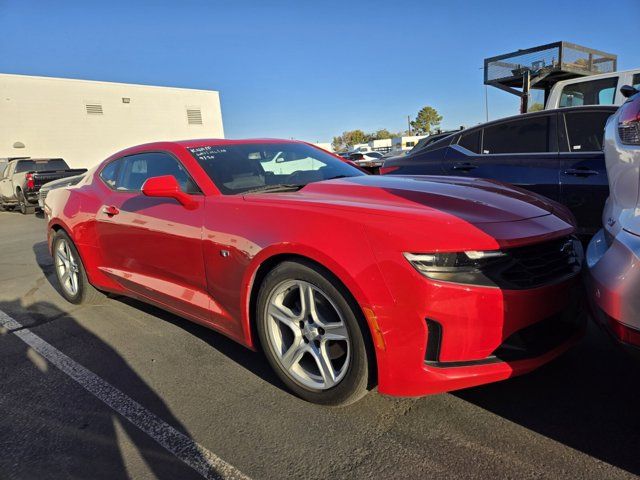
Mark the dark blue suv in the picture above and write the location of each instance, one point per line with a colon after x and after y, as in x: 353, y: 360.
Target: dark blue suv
x: 556, y: 153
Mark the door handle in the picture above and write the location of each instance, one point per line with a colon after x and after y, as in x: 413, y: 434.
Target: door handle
x: 110, y: 210
x: 581, y: 172
x: 465, y: 167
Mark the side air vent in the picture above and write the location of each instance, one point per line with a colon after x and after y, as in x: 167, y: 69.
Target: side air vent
x: 94, y: 109
x: 194, y: 116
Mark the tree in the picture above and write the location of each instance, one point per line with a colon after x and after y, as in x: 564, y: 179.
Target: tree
x: 426, y: 119
x: 536, y: 107
x: 350, y: 138
x: 382, y: 134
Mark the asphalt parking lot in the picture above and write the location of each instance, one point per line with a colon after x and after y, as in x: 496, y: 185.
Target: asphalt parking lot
x: 576, y: 418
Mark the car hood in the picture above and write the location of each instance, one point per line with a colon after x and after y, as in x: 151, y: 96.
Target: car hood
x: 473, y: 200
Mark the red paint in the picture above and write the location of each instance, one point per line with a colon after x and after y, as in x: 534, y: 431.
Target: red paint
x: 169, y: 251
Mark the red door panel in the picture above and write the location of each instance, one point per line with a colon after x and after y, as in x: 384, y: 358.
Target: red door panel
x: 153, y: 247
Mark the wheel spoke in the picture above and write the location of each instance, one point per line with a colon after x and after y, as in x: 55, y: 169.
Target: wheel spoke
x: 321, y: 357
x: 73, y: 280
x: 283, y: 315
x: 61, y: 257
x: 308, y: 301
x: 293, y: 355
x: 335, y: 331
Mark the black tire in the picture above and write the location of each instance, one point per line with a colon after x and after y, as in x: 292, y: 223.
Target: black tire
x: 25, y: 208
x: 356, y: 381
x: 86, y: 293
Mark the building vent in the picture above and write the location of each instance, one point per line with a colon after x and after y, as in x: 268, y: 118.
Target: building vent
x: 194, y: 116
x: 94, y: 109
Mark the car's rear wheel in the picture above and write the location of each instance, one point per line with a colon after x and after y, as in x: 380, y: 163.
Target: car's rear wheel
x: 25, y: 208
x: 310, y: 333
x: 72, y: 277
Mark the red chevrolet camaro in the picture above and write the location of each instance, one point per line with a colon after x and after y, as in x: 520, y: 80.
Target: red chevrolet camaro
x: 416, y: 284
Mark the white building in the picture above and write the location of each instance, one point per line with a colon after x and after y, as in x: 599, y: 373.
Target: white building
x: 406, y: 143
x: 361, y: 147
x: 383, y: 145
x: 85, y: 121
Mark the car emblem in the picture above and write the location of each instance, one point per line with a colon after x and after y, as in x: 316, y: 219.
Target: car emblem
x: 611, y: 221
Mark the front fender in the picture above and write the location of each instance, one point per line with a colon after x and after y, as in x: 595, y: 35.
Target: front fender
x: 367, y: 285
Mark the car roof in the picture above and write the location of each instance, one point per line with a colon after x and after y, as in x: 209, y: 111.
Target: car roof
x: 582, y: 108
x: 598, y: 76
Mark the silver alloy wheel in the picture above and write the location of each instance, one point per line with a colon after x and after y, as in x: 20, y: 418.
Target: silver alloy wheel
x: 308, y: 335
x: 66, y: 267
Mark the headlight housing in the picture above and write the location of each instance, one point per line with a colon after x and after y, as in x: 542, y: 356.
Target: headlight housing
x: 460, y: 267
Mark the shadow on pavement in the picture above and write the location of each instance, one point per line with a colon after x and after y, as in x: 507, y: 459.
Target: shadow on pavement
x: 254, y: 362
x: 53, y: 428
x: 588, y: 400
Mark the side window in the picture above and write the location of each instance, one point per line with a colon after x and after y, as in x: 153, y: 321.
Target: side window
x: 585, y: 130
x: 8, y: 170
x: 594, y: 92
x: 109, y: 173
x: 11, y: 168
x: 471, y: 140
x: 530, y: 135
x: 136, y: 169
x: 636, y: 81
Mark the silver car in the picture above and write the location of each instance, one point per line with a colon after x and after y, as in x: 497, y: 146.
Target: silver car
x: 63, y: 182
x: 613, y: 255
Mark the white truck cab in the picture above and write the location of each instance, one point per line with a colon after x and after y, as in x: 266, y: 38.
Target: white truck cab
x: 603, y: 89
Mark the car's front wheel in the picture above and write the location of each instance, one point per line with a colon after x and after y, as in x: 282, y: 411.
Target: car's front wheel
x: 72, y: 277
x: 310, y: 333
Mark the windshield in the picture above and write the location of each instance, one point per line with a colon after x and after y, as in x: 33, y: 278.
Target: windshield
x: 258, y: 166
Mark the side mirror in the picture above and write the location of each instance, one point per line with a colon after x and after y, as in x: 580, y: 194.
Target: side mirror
x: 628, y: 91
x: 167, y: 186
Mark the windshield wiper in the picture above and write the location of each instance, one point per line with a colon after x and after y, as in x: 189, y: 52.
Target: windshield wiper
x: 281, y: 187
x: 339, y: 176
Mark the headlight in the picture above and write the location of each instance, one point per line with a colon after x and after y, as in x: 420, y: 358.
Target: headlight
x: 459, y: 267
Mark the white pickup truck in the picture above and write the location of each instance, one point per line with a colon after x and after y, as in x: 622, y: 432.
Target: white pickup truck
x: 601, y: 89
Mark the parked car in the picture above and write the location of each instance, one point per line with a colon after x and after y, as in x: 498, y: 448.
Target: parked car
x: 556, y: 153
x: 422, y: 143
x: 613, y: 255
x: 434, y: 137
x: 345, y: 280
x: 63, y: 182
x: 23, y: 177
x: 369, y: 161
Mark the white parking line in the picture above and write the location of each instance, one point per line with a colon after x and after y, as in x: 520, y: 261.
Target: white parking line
x: 205, y: 462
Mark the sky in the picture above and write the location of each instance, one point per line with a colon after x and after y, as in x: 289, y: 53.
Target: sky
x: 308, y: 69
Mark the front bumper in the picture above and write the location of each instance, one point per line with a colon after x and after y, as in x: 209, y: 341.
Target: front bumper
x: 487, y: 334
x: 613, y: 282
